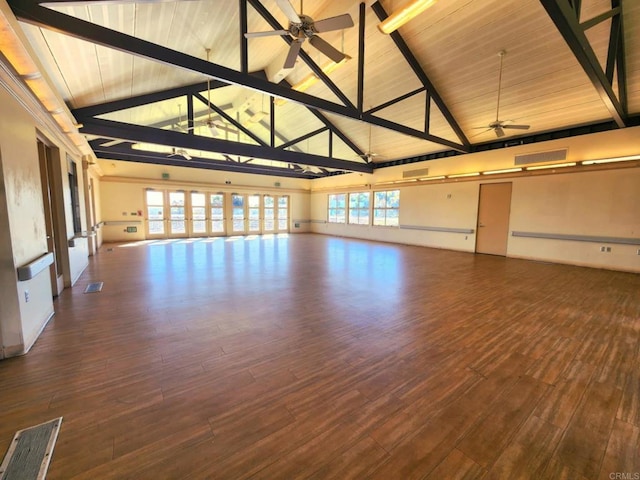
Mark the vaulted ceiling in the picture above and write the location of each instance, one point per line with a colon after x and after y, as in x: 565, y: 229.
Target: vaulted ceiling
x: 152, y: 75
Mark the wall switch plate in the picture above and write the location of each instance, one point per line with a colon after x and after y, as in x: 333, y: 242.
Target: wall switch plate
x: 608, y: 249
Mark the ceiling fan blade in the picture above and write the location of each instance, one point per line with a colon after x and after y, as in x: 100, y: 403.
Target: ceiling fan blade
x: 293, y: 53
x: 333, y: 23
x: 326, y: 48
x: 270, y: 33
x: 499, y: 131
x: 517, y: 127
x: 485, y: 130
x: 289, y: 11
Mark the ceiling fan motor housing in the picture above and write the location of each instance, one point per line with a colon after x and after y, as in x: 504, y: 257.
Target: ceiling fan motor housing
x: 305, y: 28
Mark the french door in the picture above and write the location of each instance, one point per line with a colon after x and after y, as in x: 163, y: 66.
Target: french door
x: 179, y: 214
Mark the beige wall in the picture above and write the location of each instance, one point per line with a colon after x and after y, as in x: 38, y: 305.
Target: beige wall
x: 603, y: 203
x: 26, y: 306
x: 122, y: 196
x: 21, y: 320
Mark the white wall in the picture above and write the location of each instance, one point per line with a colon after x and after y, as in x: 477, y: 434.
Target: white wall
x: 603, y: 203
x: 26, y: 306
x: 122, y: 193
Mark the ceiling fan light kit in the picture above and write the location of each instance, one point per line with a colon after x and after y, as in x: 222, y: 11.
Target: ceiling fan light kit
x: 405, y: 13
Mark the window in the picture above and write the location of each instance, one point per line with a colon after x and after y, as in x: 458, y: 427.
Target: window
x: 254, y: 213
x: 216, y: 202
x: 269, y: 215
x: 155, y: 212
x: 283, y: 213
x: 337, y: 210
x: 359, y: 208
x: 75, y: 196
x: 386, y: 208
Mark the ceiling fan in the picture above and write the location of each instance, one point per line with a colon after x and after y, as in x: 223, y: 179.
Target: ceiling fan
x: 303, y: 27
x: 499, y: 126
x: 180, y: 152
x: 368, y: 156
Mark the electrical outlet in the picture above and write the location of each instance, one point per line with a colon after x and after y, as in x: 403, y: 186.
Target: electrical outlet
x: 608, y: 249
x: 603, y: 249
x: 639, y: 251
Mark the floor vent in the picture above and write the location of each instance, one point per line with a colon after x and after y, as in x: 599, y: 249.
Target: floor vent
x: 421, y: 172
x: 93, y: 287
x: 540, y: 157
x: 30, y: 452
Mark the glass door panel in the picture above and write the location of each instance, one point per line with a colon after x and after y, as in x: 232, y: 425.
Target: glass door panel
x: 155, y: 213
x: 198, y: 214
x: 238, y: 214
x: 268, y: 224
x: 254, y: 213
x: 216, y: 202
x: 177, y: 224
x: 283, y: 214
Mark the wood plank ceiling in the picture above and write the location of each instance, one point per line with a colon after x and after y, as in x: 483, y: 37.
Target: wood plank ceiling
x: 456, y: 43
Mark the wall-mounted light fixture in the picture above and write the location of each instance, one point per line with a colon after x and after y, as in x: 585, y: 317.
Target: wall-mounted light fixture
x: 506, y: 170
x: 405, y: 13
x: 611, y: 160
x: 460, y: 175
x: 555, y: 165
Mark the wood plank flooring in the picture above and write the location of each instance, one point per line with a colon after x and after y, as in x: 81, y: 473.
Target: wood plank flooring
x: 307, y: 356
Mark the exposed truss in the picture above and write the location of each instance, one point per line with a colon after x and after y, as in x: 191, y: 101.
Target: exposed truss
x: 33, y: 12
x: 566, y: 16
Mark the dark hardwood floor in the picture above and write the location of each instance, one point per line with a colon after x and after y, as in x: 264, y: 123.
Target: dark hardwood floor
x: 316, y: 357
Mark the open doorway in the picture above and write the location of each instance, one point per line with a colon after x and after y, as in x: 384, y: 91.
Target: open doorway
x: 52, y: 205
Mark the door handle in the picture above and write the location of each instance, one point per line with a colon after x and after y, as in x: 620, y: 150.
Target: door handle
x: 481, y: 225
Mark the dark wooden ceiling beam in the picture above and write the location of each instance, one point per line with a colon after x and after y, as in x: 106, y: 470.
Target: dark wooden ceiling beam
x: 422, y: 76
x: 31, y: 12
x: 564, y: 17
x: 138, y: 133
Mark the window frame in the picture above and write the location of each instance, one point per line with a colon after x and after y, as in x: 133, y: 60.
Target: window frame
x: 386, y: 209
x: 336, y: 218
x: 359, y: 209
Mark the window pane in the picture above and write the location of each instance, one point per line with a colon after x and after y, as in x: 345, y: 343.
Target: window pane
x: 217, y: 214
x: 378, y: 217
x: 392, y: 218
x: 199, y: 226
x: 217, y: 226
x: 254, y: 213
x: 238, y: 225
x: 197, y: 199
x: 393, y: 199
x: 268, y: 213
x: 199, y: 213
x: 282, y: 213
x: 254, y: 201
x: 216, y: 200
x: 353, y: 200
x: 155, y: 213
x: 353, y: 215
x: 283, y: 202
x: 269, y: 224
x: 177, y: 213
x: 364, y: 200
x: 176, y: 198
x: 282, y: 224
x: 341, y: 200
x: 178, y: 227
x: 237, y: 200
x: 254, y: 225
x: 156, y: 227
x: 364, y: 217
x: 380, y: 200
x: 155, y: 198
x: 238, y: 213
x: 268, y: 201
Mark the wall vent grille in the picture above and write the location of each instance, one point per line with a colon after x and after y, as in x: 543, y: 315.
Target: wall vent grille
x: 541, y: 157
x: 420, y: 172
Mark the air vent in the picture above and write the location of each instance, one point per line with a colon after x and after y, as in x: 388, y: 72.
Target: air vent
x: 421, y: 172
x: 541, y: 157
